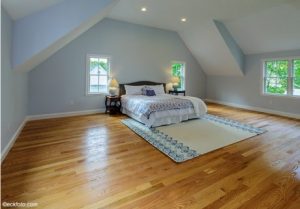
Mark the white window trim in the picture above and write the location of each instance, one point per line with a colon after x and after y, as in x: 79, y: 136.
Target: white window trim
x: 184, y: 63
x: 290, y: 82
x: 87, y: 73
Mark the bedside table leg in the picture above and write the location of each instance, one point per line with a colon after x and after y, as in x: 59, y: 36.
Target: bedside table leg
x: 106, y: 107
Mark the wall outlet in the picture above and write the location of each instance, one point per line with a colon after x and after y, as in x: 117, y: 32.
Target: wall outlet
x: 270, y: 102
x: 71, y: 102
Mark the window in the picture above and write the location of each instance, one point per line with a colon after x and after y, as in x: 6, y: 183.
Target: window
x: 98, y: 70
x: 178, y: 70
x: 282, y: 77
x: 276, y: 76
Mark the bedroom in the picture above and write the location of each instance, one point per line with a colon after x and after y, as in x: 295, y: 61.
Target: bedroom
x: 60, y: 150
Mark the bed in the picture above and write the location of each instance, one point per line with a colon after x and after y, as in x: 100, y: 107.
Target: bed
x: 161, y: 109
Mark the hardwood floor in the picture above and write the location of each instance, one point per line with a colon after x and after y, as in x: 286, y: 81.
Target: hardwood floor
x: 95, y: 161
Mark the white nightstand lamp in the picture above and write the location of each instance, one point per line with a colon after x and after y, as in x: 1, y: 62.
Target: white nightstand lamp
x: 113, y: 86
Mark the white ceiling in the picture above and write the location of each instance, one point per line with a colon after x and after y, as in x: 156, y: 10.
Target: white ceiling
x: 20, y: 8
x: 256, y: 25
x: 251, y: 22
x: 167, y: 13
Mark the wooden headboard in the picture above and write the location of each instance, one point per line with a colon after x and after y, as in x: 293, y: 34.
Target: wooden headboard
x: 138, y: 83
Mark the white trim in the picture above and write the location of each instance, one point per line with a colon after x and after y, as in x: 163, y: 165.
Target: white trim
x: 280, y: 58
x: 283, y: 96
x: 12, y: 140
x: 64, y: 114
x: 257, y: 109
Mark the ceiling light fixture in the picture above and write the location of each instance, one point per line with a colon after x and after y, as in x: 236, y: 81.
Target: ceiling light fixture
x: 183, y: 19
x: 143, y: 9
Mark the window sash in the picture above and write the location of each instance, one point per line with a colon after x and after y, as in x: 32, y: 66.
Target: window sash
x: 98, y: 74
x: 290, y: 77
x: 182, y: 79
x: 276, y: 85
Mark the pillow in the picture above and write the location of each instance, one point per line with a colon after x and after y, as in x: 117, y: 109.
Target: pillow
x: 133, y: 90
x: 150, y: 92
x: 159, y: 89
x: 144, y: 89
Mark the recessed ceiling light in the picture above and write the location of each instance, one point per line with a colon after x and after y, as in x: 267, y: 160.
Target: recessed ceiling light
x: 183, y: 19
x: 144, y: 9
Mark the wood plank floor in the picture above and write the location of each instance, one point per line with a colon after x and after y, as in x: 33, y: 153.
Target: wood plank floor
x: 96, y: 162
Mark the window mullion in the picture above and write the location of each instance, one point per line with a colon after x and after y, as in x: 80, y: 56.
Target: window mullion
x: 264, y: 77
x: 98, y: 76
x: 290, y: 77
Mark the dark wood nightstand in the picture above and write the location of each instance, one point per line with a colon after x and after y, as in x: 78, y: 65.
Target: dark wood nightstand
x: 176, y: 92
x: 112, y: 104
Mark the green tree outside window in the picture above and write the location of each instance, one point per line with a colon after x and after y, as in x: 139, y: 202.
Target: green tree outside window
x: 282, y: 77
x: 276, y: 80
x: 178, y: 70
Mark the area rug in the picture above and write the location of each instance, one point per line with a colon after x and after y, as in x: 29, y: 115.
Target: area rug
x: 187, y: 140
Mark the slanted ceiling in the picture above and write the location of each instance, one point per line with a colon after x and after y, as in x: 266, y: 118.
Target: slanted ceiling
x: 218, y: 32
x: 39, y: 35
x: 257, y: 26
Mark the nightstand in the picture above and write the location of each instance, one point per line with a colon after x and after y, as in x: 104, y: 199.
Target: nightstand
x: 112, y: 104
x: 176, y: 92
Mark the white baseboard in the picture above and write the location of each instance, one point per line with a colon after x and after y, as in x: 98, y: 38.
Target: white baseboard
x: 13, y: 140
x: 258, y: 109
x: 44, y: 116
x: 64, y: 114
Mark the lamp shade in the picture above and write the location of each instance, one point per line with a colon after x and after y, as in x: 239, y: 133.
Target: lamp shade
x: 113, y: 83
x: 175, y: 79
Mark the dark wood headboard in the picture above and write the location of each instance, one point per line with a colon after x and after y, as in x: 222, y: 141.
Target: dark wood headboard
x: 138, y: 83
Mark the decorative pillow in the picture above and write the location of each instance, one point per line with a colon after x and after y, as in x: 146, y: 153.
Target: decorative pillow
x: 133, y: 90
x: 144, y: 89
x: 150, y: 92
x: 159, y: 89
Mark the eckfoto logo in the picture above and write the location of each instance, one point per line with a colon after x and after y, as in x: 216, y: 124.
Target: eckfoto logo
x: 19, y: 204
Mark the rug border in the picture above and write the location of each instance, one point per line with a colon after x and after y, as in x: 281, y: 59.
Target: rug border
x: 218, y: 119
x: 127, y: 122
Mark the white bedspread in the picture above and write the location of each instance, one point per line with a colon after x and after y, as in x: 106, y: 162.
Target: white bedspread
x: 199, y: 106
x: 137, y: 107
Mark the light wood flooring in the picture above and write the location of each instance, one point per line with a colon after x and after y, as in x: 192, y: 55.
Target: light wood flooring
x: 94, y: 161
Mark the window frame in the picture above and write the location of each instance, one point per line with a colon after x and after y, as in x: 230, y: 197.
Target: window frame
x: 87, y: 86
x: 184, y: 73
x: 290, y: 78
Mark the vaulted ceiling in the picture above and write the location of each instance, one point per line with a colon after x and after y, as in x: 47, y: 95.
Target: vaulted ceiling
x: 257, y: 26
x: 217, y: 32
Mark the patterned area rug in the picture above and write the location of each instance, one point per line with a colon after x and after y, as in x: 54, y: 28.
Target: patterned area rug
x: 187, y: 140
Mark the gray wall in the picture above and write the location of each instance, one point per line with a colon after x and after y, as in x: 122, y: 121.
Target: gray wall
x: 247, y: 90
x: 13, y: 86
x: 138, y: 53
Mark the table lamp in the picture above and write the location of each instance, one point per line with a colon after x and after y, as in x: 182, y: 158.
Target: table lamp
x: 175, y: 81
x: 113, y: 86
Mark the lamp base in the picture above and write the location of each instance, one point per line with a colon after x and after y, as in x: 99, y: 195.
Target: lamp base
x: 175, y: 87
x: 112, y: 91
